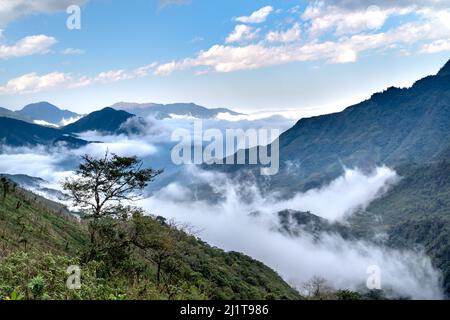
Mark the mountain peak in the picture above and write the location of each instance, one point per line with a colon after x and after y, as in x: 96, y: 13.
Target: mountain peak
x: 47, y: 112
x: 107, y: 120
x: 445, y: 71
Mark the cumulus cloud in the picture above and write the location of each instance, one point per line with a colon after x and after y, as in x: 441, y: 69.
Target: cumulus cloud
x: 38, y: 44
x: 242, y: 33
x: 361, y: 4
x: 13, y: 9
x: 324, y: 18
x: 32, y: 82
x: 290, y: 35
x: 351, y: 30
x: 437, y: 46
x: 258, y: 16
x: 225, y: 58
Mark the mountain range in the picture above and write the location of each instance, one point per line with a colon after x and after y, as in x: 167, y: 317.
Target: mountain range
x: 406, y: 129
x: 15, y: 133
x: 165, y: 111
x: 393, y: 127
x: 41, y: 113
x: 44, y: 123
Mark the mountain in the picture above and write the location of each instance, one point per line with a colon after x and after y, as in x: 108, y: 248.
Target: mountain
x: 38, y: 234
x: 164, y: 111
x: 14, y: 115
x: 18, y: 133
x: 414, y: 213
x: 295, y: 223
x: 406, y: 129
x: 393, y: 127
x: 106, y: 120
x: 445, y: 71
x: 44, y: 111
x: 35, y: 184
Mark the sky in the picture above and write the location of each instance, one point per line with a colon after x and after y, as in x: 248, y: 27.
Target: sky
x: 251, y: 56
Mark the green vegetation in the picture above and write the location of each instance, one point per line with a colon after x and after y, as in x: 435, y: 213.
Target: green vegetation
x: 414, y: 213
x: 135, y: 257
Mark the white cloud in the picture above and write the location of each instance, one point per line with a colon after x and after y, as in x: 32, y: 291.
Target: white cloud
x: 38, y: 44
x: 45, y: 123
x: 437, y: 46
x: 360, y: 190
x: 73, y: 51
x: 242, y: 33
x: 258, y: 16
x: 345, y: 56
x: 430, y: 25
x: 32, y: 82
x: 323, y: 18
x: 387, y: 4
x: 290, y: 35
x: 295, y: 258
x: 117, y: 75
x: 12, y: 9
x: 300, y: 258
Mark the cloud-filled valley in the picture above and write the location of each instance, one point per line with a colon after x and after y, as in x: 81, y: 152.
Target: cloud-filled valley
x: 244, y: 220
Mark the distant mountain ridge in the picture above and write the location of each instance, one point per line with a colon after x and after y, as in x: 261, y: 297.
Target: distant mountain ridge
x: 17, y: 133
x: 393, y: 127
x: 107, y: 120
x: 40, y: 112
x: 405, y: 129
x: 164, y: 111
x: 47, y: 112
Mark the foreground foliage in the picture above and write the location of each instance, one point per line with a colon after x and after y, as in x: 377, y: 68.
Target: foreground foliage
x: 146, y: 258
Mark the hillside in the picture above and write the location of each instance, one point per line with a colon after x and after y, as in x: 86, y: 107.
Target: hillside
x: 37, y: 244
x: 393, y: 127
x: 14, y: 115
x: 18, y: 133
x: 414, y: 213
x: 405, y: 129
x: 106, y: 120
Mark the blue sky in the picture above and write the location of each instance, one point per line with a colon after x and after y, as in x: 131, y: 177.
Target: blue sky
x: 305, y: 56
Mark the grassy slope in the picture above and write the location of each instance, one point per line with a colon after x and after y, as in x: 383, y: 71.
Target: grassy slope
x: 54, y: 240
x: 27, y: 222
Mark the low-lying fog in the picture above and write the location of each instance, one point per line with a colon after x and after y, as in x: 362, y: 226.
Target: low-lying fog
x: 230, y: 225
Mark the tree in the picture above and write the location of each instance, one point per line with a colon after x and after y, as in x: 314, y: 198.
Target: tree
x: 5, y: 187
x: 348, y: 295
x: 317, y: 288
x: 156, y: 240
x: 101, y: 186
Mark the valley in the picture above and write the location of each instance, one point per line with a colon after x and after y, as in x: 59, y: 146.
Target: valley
x: 366, y: 185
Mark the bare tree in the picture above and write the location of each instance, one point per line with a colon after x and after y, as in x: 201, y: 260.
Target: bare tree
x: 317, y: 288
